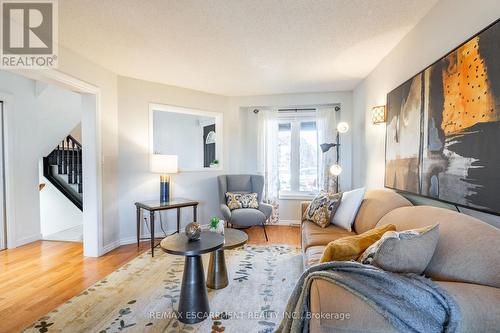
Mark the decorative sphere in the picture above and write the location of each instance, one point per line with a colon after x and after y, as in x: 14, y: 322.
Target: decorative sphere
x: 193, y: 231
x: 335, y: 169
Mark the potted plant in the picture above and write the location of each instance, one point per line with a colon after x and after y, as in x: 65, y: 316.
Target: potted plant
x: 217, y: 225
x: 214, y: 164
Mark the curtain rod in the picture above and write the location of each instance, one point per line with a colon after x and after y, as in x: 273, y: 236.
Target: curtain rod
x: 296, y: 110
x: 336, y: 108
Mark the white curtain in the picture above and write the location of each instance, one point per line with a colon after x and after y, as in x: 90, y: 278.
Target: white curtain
x: 268, y: 158
x: 326, y: 124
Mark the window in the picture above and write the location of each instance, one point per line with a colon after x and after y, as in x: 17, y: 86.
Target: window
x: 297, y: 156
x: 284, y: 156
x: 308, y: 156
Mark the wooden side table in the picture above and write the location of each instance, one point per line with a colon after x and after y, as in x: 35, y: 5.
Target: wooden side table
x: 155, y: 205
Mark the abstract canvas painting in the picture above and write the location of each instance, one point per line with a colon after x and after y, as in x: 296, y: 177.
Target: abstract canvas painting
x: 443, y: 127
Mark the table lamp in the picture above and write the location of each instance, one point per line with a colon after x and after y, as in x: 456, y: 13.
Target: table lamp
x: 165, y: 165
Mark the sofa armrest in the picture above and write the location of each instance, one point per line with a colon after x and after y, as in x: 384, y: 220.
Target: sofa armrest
x: 226, y: 212
x: 303, y: 207
x: 265, y: 208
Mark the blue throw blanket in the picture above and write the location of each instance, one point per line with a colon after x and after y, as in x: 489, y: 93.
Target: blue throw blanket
x: 411, y: 303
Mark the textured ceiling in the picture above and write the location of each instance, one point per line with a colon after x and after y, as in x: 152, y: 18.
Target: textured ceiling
x: 239, y: 47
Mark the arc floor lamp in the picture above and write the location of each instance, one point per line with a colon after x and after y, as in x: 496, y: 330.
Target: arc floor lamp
x: 336, y: 169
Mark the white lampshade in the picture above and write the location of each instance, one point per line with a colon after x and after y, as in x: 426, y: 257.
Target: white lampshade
x: 335, y: 169
x: 164, y: 164
x: 343, y: 127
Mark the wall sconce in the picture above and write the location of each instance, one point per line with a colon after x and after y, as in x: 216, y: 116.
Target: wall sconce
x: 379, y: 114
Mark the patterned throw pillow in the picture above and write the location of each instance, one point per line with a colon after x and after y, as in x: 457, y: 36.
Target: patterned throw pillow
x: 241, y: 200
x: 323, y: 208
x: 232, y: 200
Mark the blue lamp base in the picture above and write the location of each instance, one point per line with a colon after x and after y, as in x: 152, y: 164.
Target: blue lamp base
x: 164, y: 188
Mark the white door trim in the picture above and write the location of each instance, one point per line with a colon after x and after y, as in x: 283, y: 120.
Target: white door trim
x: 10, y: 216
x: 93, y: 238
x: 3, y: 224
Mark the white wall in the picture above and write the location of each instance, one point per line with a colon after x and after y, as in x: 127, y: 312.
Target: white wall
x: 59, y: 111
x: 244, y: 122
x: 57, y: 213
x: 447, y: 25
x: 76, y: 132
x: 137, y: 183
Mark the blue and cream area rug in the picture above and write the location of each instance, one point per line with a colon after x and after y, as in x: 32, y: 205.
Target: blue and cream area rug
x: 142, y: 296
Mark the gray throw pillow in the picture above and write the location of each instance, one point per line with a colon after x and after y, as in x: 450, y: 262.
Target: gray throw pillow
x: 407, y: 251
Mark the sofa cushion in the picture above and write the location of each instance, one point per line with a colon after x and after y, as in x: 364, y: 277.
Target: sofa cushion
x: 351, y: 247
x: 328, y: 298
x: 478, y: 306
x: 313, y: 234
x: 375, y: 205
x: 312, y: 256
x: 467, y: 249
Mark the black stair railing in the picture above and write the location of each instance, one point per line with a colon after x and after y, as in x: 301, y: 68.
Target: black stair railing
x: 63, y: 168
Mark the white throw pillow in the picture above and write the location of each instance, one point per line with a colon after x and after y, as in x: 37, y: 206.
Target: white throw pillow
x: 349, y: 205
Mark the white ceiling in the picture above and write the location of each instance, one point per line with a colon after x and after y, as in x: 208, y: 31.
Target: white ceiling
x: 239, y: 47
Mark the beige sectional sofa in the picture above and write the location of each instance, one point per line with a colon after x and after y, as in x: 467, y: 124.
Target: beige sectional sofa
x: 466, y: 263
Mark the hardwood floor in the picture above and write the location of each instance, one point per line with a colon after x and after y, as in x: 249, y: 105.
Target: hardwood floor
x: 38, y: 277
x: 276, y: 235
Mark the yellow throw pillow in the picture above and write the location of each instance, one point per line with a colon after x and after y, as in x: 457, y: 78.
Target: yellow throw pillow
x: 351, y: 247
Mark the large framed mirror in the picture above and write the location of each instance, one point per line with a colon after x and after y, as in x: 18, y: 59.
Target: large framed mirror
x: 195, y: 136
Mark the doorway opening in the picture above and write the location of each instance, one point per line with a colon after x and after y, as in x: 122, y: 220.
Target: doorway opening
x: 61, y: 190
x: 23, y: 225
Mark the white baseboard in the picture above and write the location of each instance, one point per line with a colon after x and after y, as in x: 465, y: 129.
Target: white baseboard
x: 132, y: 240
x: 109, y: 247
x: 288, y: 223
x: 29, y: 239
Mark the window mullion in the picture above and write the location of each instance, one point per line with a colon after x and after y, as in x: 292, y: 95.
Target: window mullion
x: 295, y: 156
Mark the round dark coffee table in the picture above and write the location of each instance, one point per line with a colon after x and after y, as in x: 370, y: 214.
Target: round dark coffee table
x: 217, y: 271
x: 193, y: 300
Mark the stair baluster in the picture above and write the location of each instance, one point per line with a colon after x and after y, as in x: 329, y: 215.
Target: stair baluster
x: 79, y: 174
x: 59, y: 158
x: 71, y: 161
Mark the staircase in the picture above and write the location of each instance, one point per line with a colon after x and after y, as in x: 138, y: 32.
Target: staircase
x: 63, y: 168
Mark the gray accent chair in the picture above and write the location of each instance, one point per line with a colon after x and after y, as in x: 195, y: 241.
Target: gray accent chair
x: 244, y: 217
